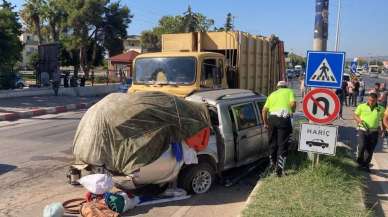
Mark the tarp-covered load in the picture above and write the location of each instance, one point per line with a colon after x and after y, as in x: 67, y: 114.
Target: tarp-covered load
x: 124, y: 132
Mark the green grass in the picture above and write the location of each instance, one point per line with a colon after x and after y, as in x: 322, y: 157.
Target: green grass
x: 334, y: 188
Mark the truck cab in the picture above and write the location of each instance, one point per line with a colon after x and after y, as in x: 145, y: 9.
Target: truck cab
x: 178, y: 73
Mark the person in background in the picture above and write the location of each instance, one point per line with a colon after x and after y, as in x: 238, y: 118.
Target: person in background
x: 92, y: 77
x: 302, y: 87
x: 341, y: 96
x: 350, y: 92
x: 382, y: 98
x: 345, y: 91
x: 376, y: 89
x: 368, y: 116
x: 277, y: 111
x: 362, y: 91
x: 356, y: 90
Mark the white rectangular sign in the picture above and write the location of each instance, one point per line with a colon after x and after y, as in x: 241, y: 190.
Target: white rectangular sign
x: 318, y: 139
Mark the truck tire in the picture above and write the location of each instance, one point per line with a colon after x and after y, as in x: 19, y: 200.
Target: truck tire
x: 197, y: 178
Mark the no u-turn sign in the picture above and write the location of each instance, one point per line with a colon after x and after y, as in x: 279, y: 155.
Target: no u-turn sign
x: 321, y: 105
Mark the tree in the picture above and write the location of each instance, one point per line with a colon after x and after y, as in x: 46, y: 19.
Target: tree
x: 31, y: 14
x: 296, y: 60
x: 150, y: 41
x: 99, y: 21
x: 55, y: 16
x: 169, y: 24
x: 195, y: 22
x: 115, y: 26
x: 10, y: 45
x: 229, y: 22
x: 189, y: 22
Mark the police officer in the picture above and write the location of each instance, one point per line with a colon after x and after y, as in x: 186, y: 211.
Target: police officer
x: 368, y: 116
x: 277, y: 113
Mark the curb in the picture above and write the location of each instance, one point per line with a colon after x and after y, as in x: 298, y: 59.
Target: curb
x: 37, y: 112
x: 250, y: 197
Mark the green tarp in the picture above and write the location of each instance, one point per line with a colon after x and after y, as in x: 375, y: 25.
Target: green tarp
x: 125, y: 131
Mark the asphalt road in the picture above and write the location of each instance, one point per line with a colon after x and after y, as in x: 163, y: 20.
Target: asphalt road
x: 34, y: 157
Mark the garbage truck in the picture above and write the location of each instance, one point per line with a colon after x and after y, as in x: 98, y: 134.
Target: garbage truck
x: 191, y: 62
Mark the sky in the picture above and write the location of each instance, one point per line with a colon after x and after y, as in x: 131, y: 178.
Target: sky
x: 363, y: 32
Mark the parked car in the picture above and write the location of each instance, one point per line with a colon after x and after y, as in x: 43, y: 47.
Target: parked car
x: 19, y: 82
x: 237, y: 138
x: 373, y: 74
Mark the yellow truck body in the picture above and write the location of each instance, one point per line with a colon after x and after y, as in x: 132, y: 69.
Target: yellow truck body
x: 220, y: 60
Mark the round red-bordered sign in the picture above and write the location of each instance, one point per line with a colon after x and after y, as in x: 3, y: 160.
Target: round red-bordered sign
x: 321, y: 105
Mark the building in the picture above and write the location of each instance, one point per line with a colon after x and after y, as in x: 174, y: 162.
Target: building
x: 120, y: 66
x: 30, y: 42
x: 132, y: 42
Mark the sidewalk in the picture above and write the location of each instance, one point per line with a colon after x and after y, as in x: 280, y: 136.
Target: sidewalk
x: 25, y: 107
x: 376, y: 183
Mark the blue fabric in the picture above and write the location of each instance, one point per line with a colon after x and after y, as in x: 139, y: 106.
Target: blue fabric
x: 177, y: 151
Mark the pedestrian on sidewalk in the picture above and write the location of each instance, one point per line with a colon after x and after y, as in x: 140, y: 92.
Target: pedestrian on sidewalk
x: 92, y: 77
x: 382, y: 98
x: 302, y: 86
x: 356, y: 90
x: 350, y: 92
x: 362, y: 91
x: 368, y: 116
x: 341, y: 96
x: 277, y: 114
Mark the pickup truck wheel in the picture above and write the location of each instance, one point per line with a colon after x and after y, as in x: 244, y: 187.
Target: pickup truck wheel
x: 197, y: 179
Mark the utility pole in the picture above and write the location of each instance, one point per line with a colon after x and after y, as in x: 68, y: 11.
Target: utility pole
x: 337, y: 34
x: 320, y: 43
x: 321, y: 25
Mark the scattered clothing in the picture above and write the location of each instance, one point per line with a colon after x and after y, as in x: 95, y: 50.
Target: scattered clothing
x: 54, y: 210
x: 189, y: 155
x: 115, y: 202
x: 200, y: 140
x: 97, y: 183
x: 97, y: 209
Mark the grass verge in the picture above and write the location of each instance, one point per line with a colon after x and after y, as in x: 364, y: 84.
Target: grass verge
x: 334, y: 188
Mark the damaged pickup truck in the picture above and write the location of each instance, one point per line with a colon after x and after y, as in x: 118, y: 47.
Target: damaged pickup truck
x: 153, y: 139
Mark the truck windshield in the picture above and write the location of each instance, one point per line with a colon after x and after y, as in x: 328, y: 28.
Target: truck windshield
x: 165, y: 70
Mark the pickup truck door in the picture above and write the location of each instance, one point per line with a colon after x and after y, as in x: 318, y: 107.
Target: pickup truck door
x: 247, y: 132
x: 264, y: 145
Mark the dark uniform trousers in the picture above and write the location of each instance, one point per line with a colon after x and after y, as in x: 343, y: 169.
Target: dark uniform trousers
x: 279, y: 131
x: 367, y: 142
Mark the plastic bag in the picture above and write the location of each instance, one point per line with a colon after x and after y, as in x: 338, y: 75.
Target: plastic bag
x: 189, y: 155
x: 97, y: 183
x: 54, y: 210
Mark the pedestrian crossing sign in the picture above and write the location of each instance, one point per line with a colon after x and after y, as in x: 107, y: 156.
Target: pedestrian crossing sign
x: 324, y: 69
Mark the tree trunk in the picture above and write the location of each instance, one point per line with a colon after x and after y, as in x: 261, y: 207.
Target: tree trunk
x: 38, y: 30
x: 82, y: 54
x: 54, y: 32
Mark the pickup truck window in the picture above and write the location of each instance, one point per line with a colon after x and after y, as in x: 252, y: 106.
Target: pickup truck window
x: 165, y: 70
x: 260, y: 106
x: 245, y: 116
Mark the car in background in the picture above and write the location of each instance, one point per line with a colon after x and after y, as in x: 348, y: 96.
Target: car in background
x: 19, y: 82
x: 290, y: 74
x: 373, y: 74
x: 346, y: 77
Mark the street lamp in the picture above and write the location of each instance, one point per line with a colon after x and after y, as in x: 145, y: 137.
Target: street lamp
x: 337, y: 34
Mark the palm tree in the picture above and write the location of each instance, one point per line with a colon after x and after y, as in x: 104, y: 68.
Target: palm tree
x: 32, y: 14
x: 55, y: 15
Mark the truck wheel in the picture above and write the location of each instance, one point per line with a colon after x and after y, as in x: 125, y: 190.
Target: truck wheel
x: 197, y: 179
